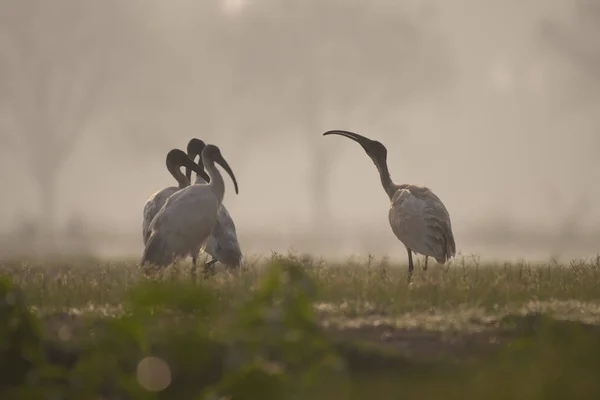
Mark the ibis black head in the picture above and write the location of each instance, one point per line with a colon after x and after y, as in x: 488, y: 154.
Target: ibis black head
x: 177, y: 158
x: 211, y: 153
x: 373, y: 148
x: 194, y: 149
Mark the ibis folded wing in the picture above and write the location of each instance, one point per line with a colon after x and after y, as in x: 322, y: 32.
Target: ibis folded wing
x: 223, y: 244
x: 183, y: 223
x: 152, y: 206
x: 420, y: 220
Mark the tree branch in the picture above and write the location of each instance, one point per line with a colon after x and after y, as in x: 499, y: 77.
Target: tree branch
x: 338, y: 60
x: 54, y: 60
x: 567, y: 43
x: 14, y: 84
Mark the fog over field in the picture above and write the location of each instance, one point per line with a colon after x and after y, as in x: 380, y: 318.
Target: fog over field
x: 493, y: 105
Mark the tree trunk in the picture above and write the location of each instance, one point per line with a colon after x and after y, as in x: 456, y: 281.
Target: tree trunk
x: 319, y: 160
x: 320, y: 171
x: 46, y: 180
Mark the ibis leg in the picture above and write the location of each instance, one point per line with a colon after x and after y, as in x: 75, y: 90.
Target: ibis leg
x: 425, y: 267
x: 411, y: 266
x: 194, y: 266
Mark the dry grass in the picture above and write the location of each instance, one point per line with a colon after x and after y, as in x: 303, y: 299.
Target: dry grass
x: 464, y: 312
x: 462, y: 291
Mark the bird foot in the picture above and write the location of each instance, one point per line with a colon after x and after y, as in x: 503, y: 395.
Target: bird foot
x: 209, y: 269
x: 211, y: 262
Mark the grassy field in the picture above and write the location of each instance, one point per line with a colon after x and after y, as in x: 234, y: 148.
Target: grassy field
x: 298, y: 328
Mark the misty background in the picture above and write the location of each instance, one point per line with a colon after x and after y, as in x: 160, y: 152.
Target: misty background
x: 492, y: 104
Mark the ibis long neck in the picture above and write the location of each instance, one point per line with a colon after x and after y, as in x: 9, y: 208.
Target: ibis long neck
x: 199, y: 179
x: 386, y: 180
x: 181, y: 179
x: 216, y: 184
x: 183, y: 183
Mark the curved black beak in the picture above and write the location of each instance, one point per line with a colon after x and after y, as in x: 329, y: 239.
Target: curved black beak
x: 363, y: 141
x: 194, y: 148
x: 177, y: 158
x: 221, y: 161
x: 192, y: 166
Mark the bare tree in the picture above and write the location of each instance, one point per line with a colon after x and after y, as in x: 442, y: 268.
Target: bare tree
x: 312, y: 62
x: 197, y: 95
x: 575, y: 42
x: 60, y: 62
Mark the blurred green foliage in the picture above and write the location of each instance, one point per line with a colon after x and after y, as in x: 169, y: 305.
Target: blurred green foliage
x: 176, y: 339
x: 20, y: 337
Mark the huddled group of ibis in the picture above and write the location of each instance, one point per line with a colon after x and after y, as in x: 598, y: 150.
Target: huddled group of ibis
x: 190, y: 218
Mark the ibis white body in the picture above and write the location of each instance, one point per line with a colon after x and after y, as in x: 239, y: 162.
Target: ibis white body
x: 188, y: 217
x: 417, y: 216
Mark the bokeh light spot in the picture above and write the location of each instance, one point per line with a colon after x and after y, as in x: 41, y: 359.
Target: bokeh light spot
x: 153, y: 374
x: 64, y: 333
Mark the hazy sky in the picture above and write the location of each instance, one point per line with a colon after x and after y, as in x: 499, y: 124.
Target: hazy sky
x: 491, y: 145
